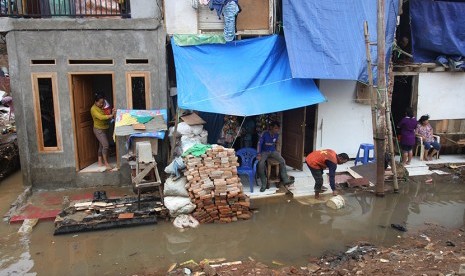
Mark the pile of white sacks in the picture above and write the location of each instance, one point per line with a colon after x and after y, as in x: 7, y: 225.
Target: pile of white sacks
x: 177, y: 201
x: 176, y: 196
x: 187, y: 136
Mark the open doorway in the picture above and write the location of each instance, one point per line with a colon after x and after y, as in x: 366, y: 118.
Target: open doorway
x: 83, y: 90
x: 401, y: 97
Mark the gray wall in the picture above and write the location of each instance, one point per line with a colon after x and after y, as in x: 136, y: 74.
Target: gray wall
x: 78, y: 39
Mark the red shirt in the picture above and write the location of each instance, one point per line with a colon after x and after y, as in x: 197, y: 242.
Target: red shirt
x: 317, y: 159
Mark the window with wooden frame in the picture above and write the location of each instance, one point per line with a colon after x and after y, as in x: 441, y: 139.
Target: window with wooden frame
x: 138, y: 90
x: 46, y: 112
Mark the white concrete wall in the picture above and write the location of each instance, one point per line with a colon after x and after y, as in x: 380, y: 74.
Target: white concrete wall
x: 342, y: 124
x: 145, y: 8
x: 441, y: 95
x: 180, y: 17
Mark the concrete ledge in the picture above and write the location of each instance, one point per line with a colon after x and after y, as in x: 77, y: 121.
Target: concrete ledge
x: 63, y: 23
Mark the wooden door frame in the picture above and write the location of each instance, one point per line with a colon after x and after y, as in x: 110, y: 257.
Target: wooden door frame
x: 302, y: 126
x: 35, y: 76
x: 73, y: 115
x: 148, y: 92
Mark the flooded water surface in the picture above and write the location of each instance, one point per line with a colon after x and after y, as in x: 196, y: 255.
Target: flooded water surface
x: 284, y: 229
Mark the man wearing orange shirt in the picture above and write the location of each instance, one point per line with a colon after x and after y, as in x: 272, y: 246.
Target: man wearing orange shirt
x: 319, y: 160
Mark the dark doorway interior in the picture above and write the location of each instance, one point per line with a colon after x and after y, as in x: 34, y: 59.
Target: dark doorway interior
x: 401, y: 97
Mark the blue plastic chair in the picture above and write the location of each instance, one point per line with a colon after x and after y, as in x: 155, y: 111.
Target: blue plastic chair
x: 248, y: 164
x: 365, y: 149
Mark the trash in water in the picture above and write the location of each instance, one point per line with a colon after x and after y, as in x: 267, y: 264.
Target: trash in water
x: 449, y: 243
x: 399, y: 227
x: 425, y: 237
x: 27, y: 226
x: 384, y: 260
x: 352, y: 249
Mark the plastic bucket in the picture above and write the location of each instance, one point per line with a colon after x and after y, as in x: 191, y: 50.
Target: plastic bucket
x: 336, y: 202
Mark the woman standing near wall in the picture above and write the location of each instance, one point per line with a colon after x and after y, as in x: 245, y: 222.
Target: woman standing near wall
x: 407, y: 140
x: 101, y: 125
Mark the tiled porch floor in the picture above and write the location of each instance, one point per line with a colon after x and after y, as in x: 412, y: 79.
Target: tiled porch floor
x: 304, y: 181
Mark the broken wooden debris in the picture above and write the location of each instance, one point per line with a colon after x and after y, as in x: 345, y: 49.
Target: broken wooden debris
x: 358, y: 182
x: 111, y: 213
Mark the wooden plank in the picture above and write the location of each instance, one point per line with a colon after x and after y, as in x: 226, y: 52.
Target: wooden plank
x: 414, y: 97
x: 405, y: 73
x: 143, y: 173
x: 255, y: 15
x: 462, y: 126
x: 256, y: 18
x: 450, y: 126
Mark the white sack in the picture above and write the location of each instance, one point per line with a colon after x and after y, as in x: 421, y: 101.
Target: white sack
x: 175, y: 188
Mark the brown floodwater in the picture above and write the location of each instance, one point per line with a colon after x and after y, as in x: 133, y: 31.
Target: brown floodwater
x: 283, y: 229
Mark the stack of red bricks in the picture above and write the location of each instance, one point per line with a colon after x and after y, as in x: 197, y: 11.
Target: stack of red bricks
x: 215, y: 187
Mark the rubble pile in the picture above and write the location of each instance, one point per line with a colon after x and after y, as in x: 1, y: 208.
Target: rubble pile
x: 215, y: 188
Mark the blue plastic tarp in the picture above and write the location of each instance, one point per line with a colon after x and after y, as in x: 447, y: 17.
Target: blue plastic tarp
x: 438, y: 28
x: 244, y: 78
x: 325, y: 39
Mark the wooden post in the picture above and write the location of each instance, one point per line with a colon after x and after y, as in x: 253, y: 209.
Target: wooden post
x: 381, y: 103
x: 174, y: 135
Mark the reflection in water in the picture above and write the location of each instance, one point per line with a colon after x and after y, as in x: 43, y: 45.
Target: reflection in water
x: 289, y: 232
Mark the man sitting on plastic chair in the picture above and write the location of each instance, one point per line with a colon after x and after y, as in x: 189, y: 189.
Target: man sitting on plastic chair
x: 266, y: 149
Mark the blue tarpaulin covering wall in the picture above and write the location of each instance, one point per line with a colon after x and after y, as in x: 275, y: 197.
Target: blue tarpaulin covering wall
x: 325, y: 39
x: 438, y: 28
x: 244, y: 78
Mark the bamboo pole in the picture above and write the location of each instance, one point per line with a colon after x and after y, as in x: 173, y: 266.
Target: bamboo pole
x: 370, y: 79
x: 381, y: 103
x: 389, y: 126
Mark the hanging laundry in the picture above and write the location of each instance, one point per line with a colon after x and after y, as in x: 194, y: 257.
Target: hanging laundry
x: 218, y: 5
x: 230, y: 11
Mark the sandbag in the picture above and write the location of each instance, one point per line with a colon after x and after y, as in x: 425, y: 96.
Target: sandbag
x: 187, y: 142
x: 175, y: 188
x: 186, y: 209
x: 197, y: 129
x: 178, y: 205
x: 175, y: 167
x: 184, y: 128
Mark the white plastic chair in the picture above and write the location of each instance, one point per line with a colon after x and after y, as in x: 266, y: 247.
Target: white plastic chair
x: 422, y: 147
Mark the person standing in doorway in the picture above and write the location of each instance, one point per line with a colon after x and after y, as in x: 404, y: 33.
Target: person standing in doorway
x: 101, y: 126
x: 267, y: 148
x: 320, y: 160
x: 407, y: 136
